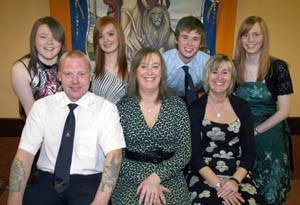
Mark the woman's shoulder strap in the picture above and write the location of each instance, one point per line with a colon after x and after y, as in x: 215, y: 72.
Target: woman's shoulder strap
x: 27, y: 68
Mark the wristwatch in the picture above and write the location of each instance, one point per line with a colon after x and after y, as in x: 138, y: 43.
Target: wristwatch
x: 218, y: 185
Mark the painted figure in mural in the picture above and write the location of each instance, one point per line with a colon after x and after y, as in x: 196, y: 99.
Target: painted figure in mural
x: 113, y: 4
x: 157, y: 29
x: 265, y: 82
x: 223, y: 148
x: 130, y: 15
x: 157, y: 134
x: 111, y: 68
x: 35, y: 75
x: 81, y: 141
x: 189, y: 37
x: 111, y: 11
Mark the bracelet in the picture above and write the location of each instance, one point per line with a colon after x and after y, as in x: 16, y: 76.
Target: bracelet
x: 235, y: 180
x: 256, y: 130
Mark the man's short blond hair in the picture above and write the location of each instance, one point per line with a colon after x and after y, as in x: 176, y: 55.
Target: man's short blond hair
x: 74, y: 54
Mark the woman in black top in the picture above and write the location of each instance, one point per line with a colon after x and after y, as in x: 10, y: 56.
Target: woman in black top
x: 222, y: 140
x: 35, y: 75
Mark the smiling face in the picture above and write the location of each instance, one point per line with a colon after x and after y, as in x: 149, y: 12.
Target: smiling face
x: 149, y: 73
x: 47, y: 47
x: 75, y: 76
x: 253, y: 40
x: 188, y: 44
x: 219, y: 79
x: 108, y: 39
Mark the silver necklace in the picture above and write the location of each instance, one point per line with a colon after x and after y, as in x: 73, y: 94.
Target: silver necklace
x: 218, y: 114
x: 149, y: 110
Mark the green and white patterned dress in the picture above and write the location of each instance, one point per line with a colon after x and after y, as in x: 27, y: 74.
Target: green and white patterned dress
x: 171, y: 132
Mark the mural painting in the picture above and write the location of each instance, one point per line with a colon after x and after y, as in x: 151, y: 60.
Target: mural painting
x: 144, y: 22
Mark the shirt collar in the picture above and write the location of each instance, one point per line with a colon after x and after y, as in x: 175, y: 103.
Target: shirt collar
x: 82, y: 102
x: 179, y: 63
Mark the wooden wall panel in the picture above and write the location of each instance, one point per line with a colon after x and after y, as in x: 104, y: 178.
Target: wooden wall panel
x: 226, y: 27
x: 60, y: 9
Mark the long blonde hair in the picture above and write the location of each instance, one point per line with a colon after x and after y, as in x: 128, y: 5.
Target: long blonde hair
x: 240, y: 53
x: 213, y: 64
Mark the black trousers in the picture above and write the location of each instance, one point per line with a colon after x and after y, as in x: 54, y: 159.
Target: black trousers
x: 81, y: 191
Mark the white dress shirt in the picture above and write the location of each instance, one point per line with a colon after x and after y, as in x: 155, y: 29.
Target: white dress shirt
x: 97, y: 132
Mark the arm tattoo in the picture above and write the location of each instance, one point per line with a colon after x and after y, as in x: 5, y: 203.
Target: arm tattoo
x: 17, y: 176
x: 110, y: 174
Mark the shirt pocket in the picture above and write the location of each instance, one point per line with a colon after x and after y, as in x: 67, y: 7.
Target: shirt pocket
x: 88, y: 143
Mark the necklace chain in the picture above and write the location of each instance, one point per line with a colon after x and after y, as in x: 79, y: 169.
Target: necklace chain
x: 152, y: 109
x: 218, y: 114
x: 149, y: 110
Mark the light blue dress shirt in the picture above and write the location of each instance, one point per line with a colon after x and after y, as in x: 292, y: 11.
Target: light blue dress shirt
x: 176, y: 75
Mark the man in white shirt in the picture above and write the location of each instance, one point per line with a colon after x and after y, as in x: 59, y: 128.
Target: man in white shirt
x: 97, y: 146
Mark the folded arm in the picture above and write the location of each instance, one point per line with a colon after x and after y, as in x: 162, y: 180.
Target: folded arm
x: 281, y: 114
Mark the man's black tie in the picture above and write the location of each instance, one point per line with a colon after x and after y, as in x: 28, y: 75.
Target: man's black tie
x: 64, y: 157
x: 190, y: 93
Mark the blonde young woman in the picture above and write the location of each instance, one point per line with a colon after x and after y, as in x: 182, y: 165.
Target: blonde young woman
x: 111, y: 70
x: 265, y: 82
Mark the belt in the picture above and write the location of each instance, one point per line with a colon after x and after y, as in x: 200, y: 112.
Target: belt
x: 154, y: 156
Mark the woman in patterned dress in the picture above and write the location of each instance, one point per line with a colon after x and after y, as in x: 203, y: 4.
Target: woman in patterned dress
x: 157, y: 134
x: 111, y: 71
x: 35, y: 75
x: 223, y: 149
x: 265, y: 83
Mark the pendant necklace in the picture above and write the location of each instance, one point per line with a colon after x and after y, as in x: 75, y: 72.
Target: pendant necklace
x: 149, y: 110
x: 218, y: 114
x: 152, y: 109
